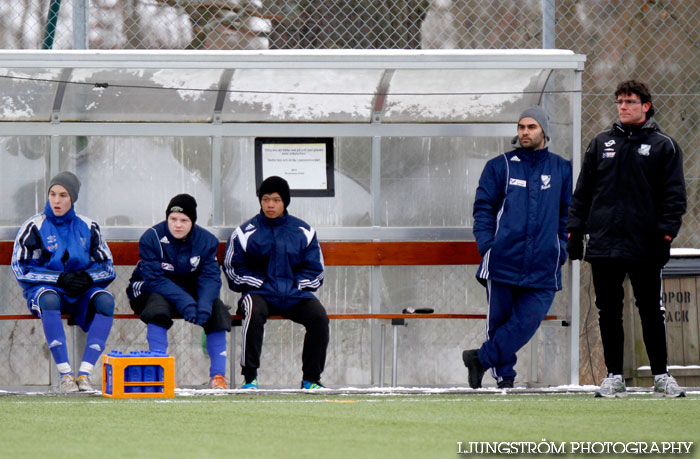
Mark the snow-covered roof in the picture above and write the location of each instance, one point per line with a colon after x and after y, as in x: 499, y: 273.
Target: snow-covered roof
x: 339, y: 86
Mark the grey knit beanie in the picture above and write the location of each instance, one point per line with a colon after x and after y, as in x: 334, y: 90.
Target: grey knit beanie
x: 538, y: 114
x: 69, y: 181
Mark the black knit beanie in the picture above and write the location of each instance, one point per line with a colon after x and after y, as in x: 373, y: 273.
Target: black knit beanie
x: 275, y: 184
x: 185, y: 204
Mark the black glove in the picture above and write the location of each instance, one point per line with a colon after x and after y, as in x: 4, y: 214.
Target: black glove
x: 662, y: 249
x: 75, y: 284
x: 574, y: 246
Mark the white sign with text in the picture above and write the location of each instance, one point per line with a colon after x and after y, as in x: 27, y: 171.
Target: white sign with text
x: 303, y: 165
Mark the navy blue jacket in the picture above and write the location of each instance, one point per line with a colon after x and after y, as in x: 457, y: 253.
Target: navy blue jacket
x: 520, y: 213
x: 184, y: 271
x: 278, y: 258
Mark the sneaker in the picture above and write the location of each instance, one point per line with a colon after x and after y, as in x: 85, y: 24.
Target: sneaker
x: 476, y: 369
x: 308, y: 385
x: 68, y: 384
x: 217, y: 382
x: 666, y: 386
x: 505, y: 384
x: 612, y: 387
x: 84, y: 383
x: 250, y: 384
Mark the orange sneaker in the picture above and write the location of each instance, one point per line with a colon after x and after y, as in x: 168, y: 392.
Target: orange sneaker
x: 217, y: 382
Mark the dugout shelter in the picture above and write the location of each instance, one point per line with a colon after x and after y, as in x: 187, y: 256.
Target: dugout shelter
x: 391, y: 141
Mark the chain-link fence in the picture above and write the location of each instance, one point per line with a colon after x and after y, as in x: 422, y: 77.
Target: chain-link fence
x: 274, y: 24
x: 655, y: 41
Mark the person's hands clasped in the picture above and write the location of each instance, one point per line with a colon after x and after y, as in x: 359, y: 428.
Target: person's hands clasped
x: 189, y: 313
x: 75, y: 284
x: 202, y: 317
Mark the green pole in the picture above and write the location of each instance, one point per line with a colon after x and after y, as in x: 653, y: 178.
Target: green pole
x: 54, y: 6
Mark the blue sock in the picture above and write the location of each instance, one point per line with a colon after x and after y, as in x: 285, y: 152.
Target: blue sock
x: 216, y: 347
x: 157, y: 338
x: 96, y: 339
x: 56, y: 339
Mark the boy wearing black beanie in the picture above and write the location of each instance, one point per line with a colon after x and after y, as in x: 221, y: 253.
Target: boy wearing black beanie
x: 274, y: 259
x: 178, y: 276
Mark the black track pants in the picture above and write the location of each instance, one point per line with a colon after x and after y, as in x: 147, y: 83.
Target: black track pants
x: 308, y: 312
x: 608, y: 276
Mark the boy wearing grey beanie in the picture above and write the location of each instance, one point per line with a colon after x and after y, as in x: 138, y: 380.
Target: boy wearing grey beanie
x: 64, y: 265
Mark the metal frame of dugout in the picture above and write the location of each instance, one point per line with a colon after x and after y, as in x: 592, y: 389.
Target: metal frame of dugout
x: 393, y: 77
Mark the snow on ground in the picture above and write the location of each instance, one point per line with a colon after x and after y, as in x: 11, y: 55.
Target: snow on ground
x: 377, y: 391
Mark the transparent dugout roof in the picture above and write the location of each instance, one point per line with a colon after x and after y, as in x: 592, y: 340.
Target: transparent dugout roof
x: 140, y: 95
x: 349, y: 86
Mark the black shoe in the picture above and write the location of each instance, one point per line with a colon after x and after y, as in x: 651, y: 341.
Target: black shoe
x: 505, y: 384
x: 476, y: 369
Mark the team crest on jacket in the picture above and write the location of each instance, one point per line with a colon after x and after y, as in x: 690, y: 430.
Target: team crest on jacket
x: 644, y: 149
x: 194, y: 261
x: 52, y: 243
x: 546, y: 182
x: 609, y: 143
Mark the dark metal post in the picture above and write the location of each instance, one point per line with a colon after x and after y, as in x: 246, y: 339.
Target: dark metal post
x: 50, y: 31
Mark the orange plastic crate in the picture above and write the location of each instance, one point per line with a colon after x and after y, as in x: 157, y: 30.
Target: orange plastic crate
x: 115, y: 386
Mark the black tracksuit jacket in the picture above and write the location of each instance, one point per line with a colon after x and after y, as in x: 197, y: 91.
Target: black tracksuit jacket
x: 630, y: 192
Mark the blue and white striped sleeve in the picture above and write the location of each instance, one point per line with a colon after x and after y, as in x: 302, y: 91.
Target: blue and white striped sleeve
x: 26, y: 256
x: 240, y: 277
x: 310, y: 276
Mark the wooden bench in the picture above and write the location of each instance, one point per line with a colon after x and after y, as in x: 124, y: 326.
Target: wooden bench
x: 405, y: 253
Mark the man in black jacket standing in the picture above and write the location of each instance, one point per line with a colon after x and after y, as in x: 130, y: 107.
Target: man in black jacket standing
x: 628, y: 204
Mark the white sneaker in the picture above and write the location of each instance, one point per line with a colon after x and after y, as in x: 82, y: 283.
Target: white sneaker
x: 612, y: 387
x: 666, y: 386
x: 84, y: 383
x: 68, y: 384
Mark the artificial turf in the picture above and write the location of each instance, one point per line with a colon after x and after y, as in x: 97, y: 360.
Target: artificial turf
x: 330, y: 426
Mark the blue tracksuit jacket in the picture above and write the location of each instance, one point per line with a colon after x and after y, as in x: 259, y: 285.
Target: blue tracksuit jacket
x: 520, y: 213
x: 184, y: 271
x: 278, y: 258
x: 46, y: 246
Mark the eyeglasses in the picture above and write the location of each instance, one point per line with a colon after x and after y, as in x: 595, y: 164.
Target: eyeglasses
x: 627, y: 101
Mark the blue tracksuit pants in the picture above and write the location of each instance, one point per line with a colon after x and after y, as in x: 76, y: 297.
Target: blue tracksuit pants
x: 514, y: 315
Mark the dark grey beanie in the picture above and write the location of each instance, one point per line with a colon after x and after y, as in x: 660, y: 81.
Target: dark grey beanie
x: 538, y: 114
x: 69, y: 181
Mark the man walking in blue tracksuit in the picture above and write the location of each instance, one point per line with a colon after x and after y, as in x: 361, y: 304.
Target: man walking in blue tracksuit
x: 520, y: 213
